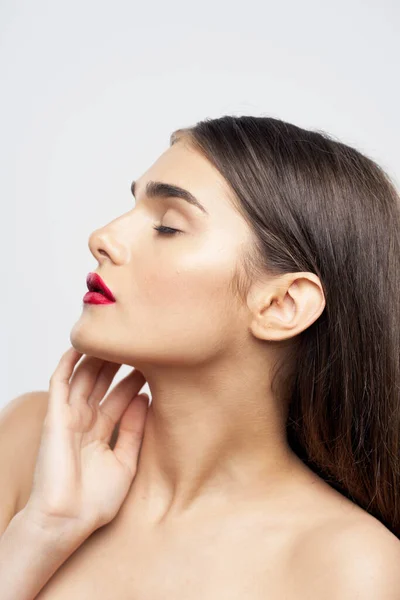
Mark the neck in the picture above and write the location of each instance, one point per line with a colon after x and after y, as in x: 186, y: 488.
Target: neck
x: 210, y: 437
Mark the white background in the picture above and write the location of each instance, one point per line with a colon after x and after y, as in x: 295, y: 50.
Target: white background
x: 90, y: 92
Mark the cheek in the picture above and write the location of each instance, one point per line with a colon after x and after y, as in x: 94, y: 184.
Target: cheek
x: 182, y: 288
x: 179, y: 306
x: 189, y: 280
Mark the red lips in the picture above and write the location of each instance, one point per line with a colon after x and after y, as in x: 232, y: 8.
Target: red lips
x: 98, y: 293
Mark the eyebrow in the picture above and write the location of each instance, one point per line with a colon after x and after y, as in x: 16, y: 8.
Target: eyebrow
x: 160, y: 189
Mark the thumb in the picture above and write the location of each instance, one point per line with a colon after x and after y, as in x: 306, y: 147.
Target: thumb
x: 130, y: 432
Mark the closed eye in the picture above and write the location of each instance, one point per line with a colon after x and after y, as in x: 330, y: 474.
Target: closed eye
x: 162, y: 229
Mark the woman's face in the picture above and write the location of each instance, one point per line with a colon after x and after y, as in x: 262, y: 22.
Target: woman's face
x: 174, y: 304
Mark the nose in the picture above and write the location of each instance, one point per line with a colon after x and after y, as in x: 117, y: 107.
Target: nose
x: 104, y: 245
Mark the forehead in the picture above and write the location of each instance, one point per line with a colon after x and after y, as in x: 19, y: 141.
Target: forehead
x: 184, y: 166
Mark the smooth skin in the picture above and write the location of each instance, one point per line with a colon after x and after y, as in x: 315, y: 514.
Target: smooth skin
x: 215, y: 433
x: 77, y: 475
x: 79, y: 481
x: 217, y: 505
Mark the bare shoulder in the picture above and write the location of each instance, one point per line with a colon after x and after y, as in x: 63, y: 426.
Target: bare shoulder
x: 31, y: 403
x: 347, y: 559
x: 21, y: 423
x: 365, y: 558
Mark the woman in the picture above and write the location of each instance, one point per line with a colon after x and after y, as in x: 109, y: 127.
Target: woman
x: 263, y: 312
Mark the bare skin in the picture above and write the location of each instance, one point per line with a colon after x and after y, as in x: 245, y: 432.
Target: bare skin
x: 240, y: 552
x: 220, y: 507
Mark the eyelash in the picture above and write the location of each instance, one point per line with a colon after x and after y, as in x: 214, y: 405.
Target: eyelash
x: 163, y: 230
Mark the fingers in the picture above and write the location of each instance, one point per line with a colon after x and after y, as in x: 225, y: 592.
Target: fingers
x: 89, y: 382
x: 115, y: 404
x: 59, y: 381
x: 84, y: 380
x: 103, y: 382
x: 131, y: 431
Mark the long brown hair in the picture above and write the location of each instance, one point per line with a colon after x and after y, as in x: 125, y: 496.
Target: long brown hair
x: 318, y: 205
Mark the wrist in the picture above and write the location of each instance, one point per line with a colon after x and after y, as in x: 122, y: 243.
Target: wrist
x: 32, y: 548
x: 53, y: 532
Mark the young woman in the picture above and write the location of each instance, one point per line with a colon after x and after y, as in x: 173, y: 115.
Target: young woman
x: 255, y: 286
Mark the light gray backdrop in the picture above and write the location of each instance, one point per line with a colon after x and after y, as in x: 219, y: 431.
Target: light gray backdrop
x: 90, y: 92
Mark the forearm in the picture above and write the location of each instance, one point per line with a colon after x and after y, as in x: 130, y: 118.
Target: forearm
x: 30, y: 553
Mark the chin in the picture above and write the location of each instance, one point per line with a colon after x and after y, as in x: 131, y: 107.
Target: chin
x: 87, y: 344
x: 82, y: 342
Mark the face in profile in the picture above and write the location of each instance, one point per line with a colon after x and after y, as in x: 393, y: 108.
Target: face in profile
x: 174, y: 301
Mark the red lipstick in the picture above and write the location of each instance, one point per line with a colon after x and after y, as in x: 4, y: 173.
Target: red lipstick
x: 98, y: 292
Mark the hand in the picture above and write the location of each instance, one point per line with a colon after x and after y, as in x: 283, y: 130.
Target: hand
x: 78, y: 478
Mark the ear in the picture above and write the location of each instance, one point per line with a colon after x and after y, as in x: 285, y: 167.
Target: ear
x: 283, y: 307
